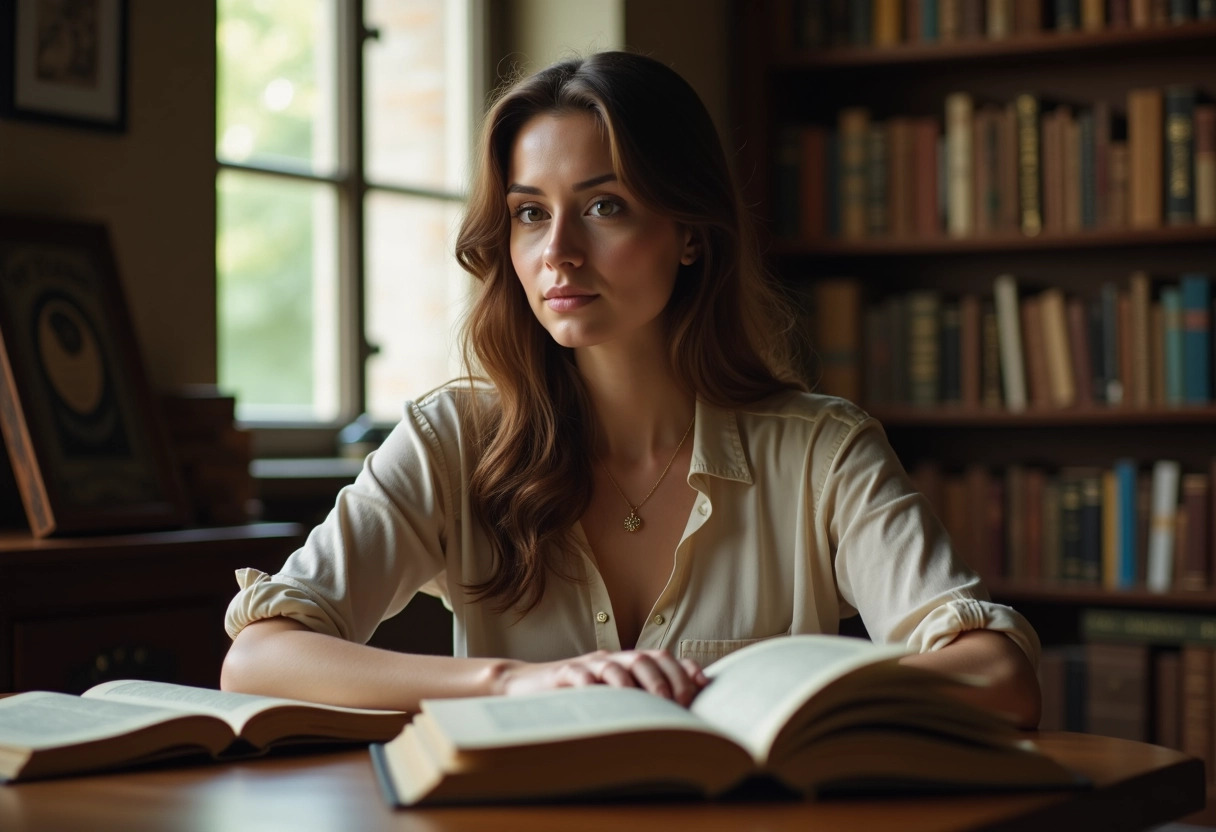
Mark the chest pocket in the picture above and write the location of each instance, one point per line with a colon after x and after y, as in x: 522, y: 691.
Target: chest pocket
x: 706, y: 651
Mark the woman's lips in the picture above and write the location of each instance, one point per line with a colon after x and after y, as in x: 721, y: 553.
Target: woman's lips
x: 568, y: 303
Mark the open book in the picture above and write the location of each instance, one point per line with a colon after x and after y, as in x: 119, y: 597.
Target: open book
x: 124, y: 723
x: 819, y: 714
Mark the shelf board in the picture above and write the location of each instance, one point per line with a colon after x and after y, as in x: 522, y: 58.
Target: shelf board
x: 908, y: 416
x: 1078, y: 43
x: 922, y: 246
x: 1096, y: 596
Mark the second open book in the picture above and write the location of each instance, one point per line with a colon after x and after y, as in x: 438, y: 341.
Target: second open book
x: 817, y: 713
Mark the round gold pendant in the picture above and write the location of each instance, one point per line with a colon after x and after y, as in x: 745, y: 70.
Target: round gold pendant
x: 633, y: 522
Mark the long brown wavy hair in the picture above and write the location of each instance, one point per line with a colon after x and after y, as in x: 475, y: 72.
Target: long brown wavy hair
x: 728, y: 330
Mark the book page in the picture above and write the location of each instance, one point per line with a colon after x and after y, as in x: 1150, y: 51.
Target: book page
x: 569, y: 713
x: 40, y: 719
x: 754, y: 691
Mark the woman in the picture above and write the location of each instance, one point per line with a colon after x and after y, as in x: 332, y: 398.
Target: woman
x: 642, y: 486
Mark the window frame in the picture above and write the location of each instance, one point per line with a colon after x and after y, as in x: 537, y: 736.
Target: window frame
x: 350, y: 183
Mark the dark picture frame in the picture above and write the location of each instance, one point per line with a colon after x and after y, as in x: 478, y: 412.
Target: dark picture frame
x: 83, y: 431
x: 64, y: 62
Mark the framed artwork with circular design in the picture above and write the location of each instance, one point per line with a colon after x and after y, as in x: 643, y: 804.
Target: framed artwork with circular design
x: 88, y: 451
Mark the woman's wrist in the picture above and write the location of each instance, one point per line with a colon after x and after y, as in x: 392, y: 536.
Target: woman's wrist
x: 494, y: 676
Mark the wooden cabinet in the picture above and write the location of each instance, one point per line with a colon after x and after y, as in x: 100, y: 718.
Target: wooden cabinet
x: 78, y: 611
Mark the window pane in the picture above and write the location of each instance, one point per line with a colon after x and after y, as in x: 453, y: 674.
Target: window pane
x: 278, y: 299
x: 417, y: 97
x: 415, y: 297
x: 276, y: 83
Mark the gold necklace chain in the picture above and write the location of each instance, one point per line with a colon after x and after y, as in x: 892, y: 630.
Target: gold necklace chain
x: 634, y: 521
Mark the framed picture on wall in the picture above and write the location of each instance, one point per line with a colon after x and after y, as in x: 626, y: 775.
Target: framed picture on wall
x: 86, y: 443
x: 64, y: 61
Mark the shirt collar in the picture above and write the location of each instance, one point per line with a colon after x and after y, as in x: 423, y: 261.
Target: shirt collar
x: 717, y: 449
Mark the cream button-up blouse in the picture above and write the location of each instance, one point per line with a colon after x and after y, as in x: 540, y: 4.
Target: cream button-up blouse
x: 804, y: 516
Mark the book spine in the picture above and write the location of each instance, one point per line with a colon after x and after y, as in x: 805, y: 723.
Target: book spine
x: 951, y: 353
x: 1087, y: 163
x: 924, y: 340
x: 1091, y: 528
x: 1051, y: 142
x: 959, y: 209
x: 1126, y: 561
x: 898, y: 320
x: 1139, y: 297
x: 877, y: 206
x: 990, y: 358
x: 877, y: 371
x: 901, y: 192
x: 1197, y: 702
x: 1034, y: 350
x: 1171, y: 310
x: 1118, y: 704
x: 1195, y: 553
x: 1166, y: 474
x: 970, y: 347
x: 928, y: 20
x: 888, y: 22
x: 1070, y: 144
x: 1112, y: 371
x: 925, y: 177
x: 853, y: 130
x: 1167, y: 678
x: 1056, y: 341
x: 1147, y: 626
x: 1196, y: 301
x: 999, y: 19
x: 861, y: 26
x: 1205, y: 163
x: 1035, y: 489
x: 1070, y: 527
x: 1145, y: 149
x: 1110, y: 530
x: 1067, y: 15
x: 1182, y: 11
x: 1016, y: 562
x: 1180, y: 155
x: 1093, y: 15
x: 837, y: 305
x: 1119, y: 14
x: 1100, y: 165
x: 1078, y: 347
x: 1009, y: 331
x: 1051, y: 569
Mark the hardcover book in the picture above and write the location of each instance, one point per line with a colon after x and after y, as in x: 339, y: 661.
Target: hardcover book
x: 129, y: 722
x: 815, y: 714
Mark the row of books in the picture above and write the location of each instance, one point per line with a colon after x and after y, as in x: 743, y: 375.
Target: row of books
x: 885, y: 23
x: 1143, y: 675
x: 1141, y: 343
x: 1029, y: 165
x: 212, y: 454
x: 1122, y: 527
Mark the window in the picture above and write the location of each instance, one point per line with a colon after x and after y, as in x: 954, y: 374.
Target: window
x: 342, y: 147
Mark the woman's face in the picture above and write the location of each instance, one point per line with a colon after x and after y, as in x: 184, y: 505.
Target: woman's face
x: 596, y: 265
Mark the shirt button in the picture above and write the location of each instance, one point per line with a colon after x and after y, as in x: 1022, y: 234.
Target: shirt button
x: 601, y: 617
x: 659, y: 619
x: 703, y: 508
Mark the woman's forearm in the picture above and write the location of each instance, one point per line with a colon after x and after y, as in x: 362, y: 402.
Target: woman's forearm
x: 281, y: 657
x: 1013, y: 685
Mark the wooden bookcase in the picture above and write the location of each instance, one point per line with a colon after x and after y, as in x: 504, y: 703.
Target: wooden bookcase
x: 779, y: 86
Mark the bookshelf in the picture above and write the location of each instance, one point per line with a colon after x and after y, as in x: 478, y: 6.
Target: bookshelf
x: 790, y: 85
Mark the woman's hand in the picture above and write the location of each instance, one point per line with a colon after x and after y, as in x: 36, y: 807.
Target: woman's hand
x: 654, y: 671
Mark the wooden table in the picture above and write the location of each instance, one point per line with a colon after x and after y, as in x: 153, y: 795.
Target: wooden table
x: 1135, y: 786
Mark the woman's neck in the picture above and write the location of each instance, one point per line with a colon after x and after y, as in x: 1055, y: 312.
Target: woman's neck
x: 641, y: 409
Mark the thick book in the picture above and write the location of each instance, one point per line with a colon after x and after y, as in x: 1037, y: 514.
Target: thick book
x: 129, y: 722
x: 816, y: 714
x: 1145, y: 124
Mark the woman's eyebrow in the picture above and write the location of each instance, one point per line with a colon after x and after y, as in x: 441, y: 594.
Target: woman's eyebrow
x: 516, y: 188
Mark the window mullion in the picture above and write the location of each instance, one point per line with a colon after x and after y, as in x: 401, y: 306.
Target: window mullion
x: 351, y: 33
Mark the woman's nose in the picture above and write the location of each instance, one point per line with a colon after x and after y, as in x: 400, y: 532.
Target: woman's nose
x: 565, y: 246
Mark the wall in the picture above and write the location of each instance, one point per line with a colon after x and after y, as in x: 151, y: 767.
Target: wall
x: 154, y: 185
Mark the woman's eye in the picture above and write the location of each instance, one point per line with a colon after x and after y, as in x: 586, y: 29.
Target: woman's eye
x: 528, y: 214
x: 604, y: 208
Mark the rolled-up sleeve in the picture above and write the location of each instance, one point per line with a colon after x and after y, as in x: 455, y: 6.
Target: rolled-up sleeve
x: 384, y: 539
x: 893, y: 559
